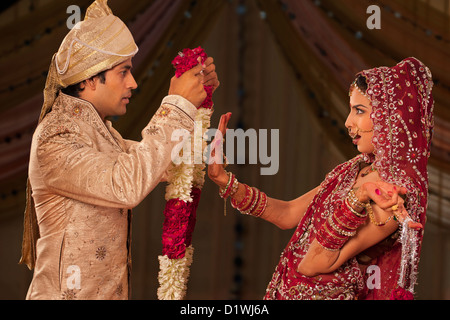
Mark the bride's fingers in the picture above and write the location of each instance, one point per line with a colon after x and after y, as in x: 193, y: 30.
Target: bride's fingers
x: 216, y: 145
x: 217, y: 142
x: 415, y: 225
x: 401, y: 215
x: 385, y: 199
x: 223, y: 123
x: 388, y: 187
x: 222, y: 128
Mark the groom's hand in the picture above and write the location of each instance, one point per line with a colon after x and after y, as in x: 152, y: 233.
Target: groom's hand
x: 209, y: 74
x: 189, y: 85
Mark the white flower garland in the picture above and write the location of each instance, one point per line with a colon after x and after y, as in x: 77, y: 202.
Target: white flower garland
x: 173, y: 276
x: 174, y: 273
x: 180, y: 179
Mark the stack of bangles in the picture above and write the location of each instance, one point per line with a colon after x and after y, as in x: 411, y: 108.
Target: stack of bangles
x: 254, y: 202
x: 342, y: 224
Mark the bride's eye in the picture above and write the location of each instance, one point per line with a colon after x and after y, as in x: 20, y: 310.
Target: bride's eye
x: 358, y: 110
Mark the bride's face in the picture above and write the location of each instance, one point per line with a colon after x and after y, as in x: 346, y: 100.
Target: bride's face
x: 358, y: 122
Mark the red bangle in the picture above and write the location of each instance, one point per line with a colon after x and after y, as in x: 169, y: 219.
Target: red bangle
x: 261, y: 207
x: 254, y: 202
x: 248, y: 194
x: 339, y: 227
x: 327, y: 240
x: 247, y: 205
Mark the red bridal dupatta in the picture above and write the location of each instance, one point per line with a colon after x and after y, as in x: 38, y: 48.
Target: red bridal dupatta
x: 402, y: 114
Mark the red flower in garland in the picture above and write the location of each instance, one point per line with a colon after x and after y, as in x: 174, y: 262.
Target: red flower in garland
x: 176, y: 222
x: 195, y: 194
x: 186, y: 60
x: 180, y: 216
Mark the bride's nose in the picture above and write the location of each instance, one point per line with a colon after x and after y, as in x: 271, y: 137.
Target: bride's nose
x: 348, y: 123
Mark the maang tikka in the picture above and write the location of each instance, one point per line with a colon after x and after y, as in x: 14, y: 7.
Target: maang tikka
x: 357, y: 88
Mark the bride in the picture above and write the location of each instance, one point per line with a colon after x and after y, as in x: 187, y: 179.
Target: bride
x: 369, y: 211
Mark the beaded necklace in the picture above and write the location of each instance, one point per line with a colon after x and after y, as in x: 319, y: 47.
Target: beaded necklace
x: 367, y: 172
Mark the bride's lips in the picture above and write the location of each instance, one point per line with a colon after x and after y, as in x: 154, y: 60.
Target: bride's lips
x: 356, y: 139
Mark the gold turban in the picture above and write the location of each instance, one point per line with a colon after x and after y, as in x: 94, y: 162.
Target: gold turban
x: 98, y: 43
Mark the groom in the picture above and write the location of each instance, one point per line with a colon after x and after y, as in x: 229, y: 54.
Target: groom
x: 83, y: 176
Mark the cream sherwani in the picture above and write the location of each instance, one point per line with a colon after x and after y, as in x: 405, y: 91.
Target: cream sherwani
x: 85, y: 179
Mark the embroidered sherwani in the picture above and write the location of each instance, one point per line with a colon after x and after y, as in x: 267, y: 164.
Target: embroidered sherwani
x: 85, y: 179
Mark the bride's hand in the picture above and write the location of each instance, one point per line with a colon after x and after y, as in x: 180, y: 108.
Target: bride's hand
x: 401, y: 214
x: 216, y: 169
x: 387, y: 197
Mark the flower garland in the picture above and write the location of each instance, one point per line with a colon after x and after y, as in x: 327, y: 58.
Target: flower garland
x: 182, y: 197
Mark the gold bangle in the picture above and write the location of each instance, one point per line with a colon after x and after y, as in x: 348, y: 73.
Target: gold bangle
x: 339, y: 230
x: 356, y: 213
x: 354, y: 201
x: 223, y: 191
x: 342, y: 223
x: 234, y: 188
x: 261, y: 206
x: 255, y: 201
x: 325, y: 226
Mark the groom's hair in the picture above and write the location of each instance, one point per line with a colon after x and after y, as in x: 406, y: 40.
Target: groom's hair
x: 75, y: 89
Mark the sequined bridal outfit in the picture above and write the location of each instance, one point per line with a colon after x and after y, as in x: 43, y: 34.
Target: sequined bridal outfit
x: 402, y: 115
x: 84, y: 178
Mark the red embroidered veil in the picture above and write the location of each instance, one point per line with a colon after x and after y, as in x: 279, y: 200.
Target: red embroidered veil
x: 402, y: 114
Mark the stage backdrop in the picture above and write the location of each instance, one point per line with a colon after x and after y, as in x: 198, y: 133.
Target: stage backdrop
x: 284, y: 66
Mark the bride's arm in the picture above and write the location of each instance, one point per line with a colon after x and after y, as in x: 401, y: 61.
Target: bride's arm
x: 319, y: 260
x: 287, y: 214
x: 283, y: 214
